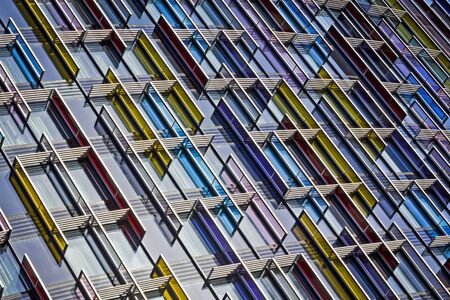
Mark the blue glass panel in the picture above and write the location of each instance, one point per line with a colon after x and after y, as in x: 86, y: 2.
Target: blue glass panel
x: 156, y: 118
x: 432, y: 210
x: 421, y: 217
x: 168, y: 13
x: 181, y: 14
x: 20, y: 42
x: 167, y: 115
x: 199, y: 181
x: 24, y: 67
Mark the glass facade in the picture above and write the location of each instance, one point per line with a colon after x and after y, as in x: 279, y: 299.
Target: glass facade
x: 224, y: 149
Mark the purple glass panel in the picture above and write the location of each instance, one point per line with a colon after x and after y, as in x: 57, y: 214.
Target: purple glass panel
x: 260, y: 206
x: 221, y: 241
x: 253, y: 148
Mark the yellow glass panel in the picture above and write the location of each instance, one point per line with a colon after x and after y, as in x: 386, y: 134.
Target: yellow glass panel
x: 322, y: 264
x: 162, y: 152
x: 39, y: 225
x: 445, y: 63
x: 377, y: 141
x: 297, y: 105
x: 344, y: 101
x: 366, y: 146
x: 128, y: 103
x: 329, y: 164
x: 111, y: 77
x: 143, y: 58
x: 153, y: 157
x: 61, y: 242
x: 367, y: 196
x: 53, y: 36
x: 418, y: 31
x: 282, y: 106
x: 285, y: 109
x: 419, y: 34
x: 357, y: 200
x: 339, y: 266
x: 154, y: 55
x: 338, y: 158
x: 175, y: 288
x: 349, y: 107
x: 447, y: 83
x: 403, y: 32
x: 149, y: 134
x: 323, y: 73
x: 123, y: 116
x: 131, y: 107
x: 189, y: 106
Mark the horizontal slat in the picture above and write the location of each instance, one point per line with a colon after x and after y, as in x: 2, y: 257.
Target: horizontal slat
x: 115, y: 292
x: 182, y: 207
x: 128, y: 35
x: 318, y: 83
x: 400, y: 185
x: 242, y: 199
x: 172, y: 143
x: 384, y: 133
x: 36, y: 95
x: 246, y: 83
x: 297, y: 193
x: 135, y: 88
x: 7, y: 39
x: 271, y: 83
x: 96, y: 35
x: 102, y: 90
x: 73, y: 222
x: 426, y: 134
x: 425, y: 183
x: 233, y: 35
x: 203, y: 140
x: 163, y: 85
x: 395, y: 245
x: 285, y: 261
x: 326, y: 189
x: 309, y: 134
x: 72, y: 153
x: 184, y: 34
x: 111, y: 216
x: 440, y: 241
x: 6, y: 97
x: 220, y: 272
x: 71, y: 37
x: 345, y: 251
x: 154, y: 284
x: 260, y: 136
x: 351, y: 188
x: 218, y: 84
x: 35, y: 159
x: 371, y: 247
x: 143, y: 145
